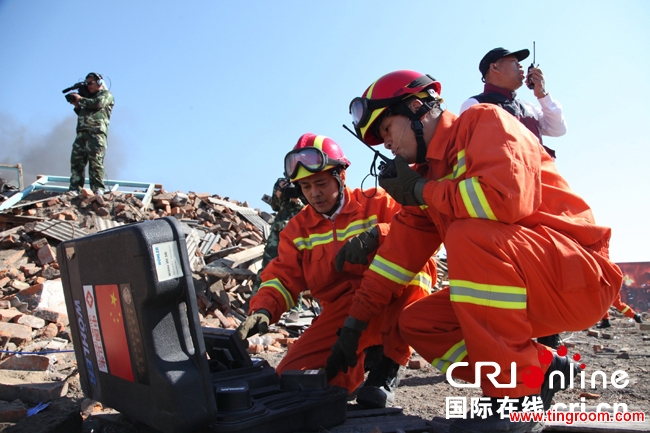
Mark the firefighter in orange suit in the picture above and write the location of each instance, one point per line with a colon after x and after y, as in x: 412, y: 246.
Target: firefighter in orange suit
x: 623, y: 308
x: 326, y: 247
x: 525, y: 256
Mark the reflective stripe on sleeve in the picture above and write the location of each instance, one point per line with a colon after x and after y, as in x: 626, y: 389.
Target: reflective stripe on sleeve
x: 455, y: 354
x: 459, y: 167
x: 423, y: 280
x: 314, y: 240
x: 391, y: 271
x: 474, y: 199
x: 277, y: 285
x: 352, y: 229
x: 356, y: 227
x: 489, y: 295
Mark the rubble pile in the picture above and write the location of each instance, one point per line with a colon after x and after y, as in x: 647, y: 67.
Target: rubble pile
x: 225, y: 241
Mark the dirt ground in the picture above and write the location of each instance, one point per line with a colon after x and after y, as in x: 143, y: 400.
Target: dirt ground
x: 423, y: 392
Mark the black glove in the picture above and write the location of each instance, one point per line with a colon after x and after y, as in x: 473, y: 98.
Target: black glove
x: 407, y: 187
x: 356, y: 249
x: 258, y: 322
x: 637, y: 318
x: 344, y: 351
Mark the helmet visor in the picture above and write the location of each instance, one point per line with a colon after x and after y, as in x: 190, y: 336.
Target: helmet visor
x: 361, y: 109
x: 310, y: 158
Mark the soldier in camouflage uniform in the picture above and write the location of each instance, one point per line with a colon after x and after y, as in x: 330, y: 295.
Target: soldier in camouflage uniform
x: 94, y: 115
x: 286, y: 208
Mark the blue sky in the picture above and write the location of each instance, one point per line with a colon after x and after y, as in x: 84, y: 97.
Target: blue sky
x: 210, y: 95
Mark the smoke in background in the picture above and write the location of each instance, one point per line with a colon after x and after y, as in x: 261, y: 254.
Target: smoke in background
x: 48, y: 154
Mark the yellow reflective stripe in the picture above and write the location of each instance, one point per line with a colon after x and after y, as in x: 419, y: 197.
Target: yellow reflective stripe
x: 423, y: 206
x: 423, y: 280
x: 459, y: 167
x: 314, y: 240
x: 356, y: 227
x: 352, y: 229
x: 489, y: 295
x: 276, y: 284
x: 455, y: 354
x: 625, y: 309
x: 391, y: 271
x: 474, y: 199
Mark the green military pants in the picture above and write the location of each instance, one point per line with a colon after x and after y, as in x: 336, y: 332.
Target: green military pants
x: 88, y: 148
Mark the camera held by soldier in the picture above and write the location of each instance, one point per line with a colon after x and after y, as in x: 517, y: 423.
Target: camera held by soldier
x: 82, y: 90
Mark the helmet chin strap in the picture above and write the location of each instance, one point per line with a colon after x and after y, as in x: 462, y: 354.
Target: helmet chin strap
x: 336, y: 173
x: 417, y: 126
x: 418, y: 130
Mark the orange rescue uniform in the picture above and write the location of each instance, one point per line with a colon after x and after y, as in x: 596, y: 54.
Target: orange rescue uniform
x: 525, y: 256
x: 307, y: 248
x: 622, y: 307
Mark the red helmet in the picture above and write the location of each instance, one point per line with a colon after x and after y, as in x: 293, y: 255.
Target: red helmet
x: 313, y: 154
x: 388, y: 90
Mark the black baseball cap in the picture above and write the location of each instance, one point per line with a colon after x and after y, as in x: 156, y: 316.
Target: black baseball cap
x: 499, y: 53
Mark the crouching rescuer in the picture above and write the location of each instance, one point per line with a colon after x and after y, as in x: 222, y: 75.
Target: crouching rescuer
x: 525, y: 256
x: 327, y: 247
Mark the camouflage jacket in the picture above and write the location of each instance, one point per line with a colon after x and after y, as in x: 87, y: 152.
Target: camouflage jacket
x: 95, y: 113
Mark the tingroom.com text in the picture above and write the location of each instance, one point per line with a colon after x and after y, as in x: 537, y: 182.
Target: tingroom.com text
x: 569, y: 418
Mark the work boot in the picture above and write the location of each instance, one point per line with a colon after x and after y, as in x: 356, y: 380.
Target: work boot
x: 552, y: 341
x: 495, y: 422
x: 373, y: 355
x: 383, y: 379
x: 604, y: 324
x: 637, y: 318
x: 564, y: 365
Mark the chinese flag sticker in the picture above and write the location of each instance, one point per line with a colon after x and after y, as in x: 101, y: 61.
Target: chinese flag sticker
x: 113, y: 332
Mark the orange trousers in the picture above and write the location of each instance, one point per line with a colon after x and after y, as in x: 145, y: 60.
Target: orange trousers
x: 622, y: 307
x: 564, y: 287
x: 311, y: 350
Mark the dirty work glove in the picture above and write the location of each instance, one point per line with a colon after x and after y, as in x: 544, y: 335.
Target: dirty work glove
x: 344, y: 351
x: 258, y: 322
x: 407, y: 187
x: 637, y: 318
x: 356, y: 249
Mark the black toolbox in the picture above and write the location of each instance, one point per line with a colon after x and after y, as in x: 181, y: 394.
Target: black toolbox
x: 141, y: 350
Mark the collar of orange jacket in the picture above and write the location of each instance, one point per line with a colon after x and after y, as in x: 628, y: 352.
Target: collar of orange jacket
x: 313, y: 218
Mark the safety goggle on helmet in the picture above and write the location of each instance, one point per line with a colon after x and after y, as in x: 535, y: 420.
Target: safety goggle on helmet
x: 313, y: 154
x: 387, y: 91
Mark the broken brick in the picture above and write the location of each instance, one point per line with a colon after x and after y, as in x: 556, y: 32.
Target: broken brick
x: 51, y: 316
x: 16, y: 333
x: 46, y: 255
x: 27, y: 362
x: 12, y: 411
x: 417, y: 364
x: 31, y: 321
x: 6, y: 315
x: 254, y: 349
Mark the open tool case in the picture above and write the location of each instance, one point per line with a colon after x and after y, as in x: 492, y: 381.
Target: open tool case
x: 141, y: 350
